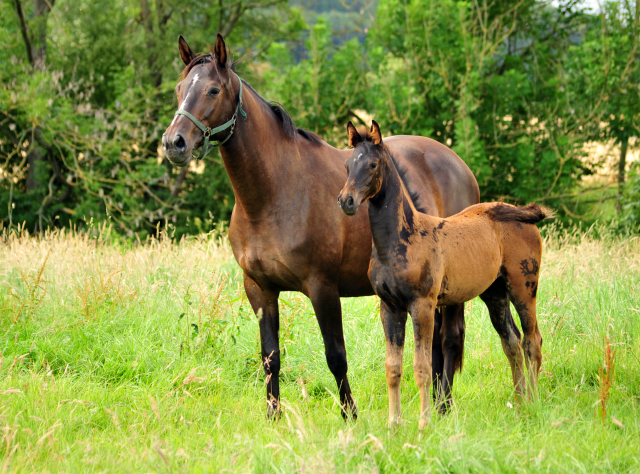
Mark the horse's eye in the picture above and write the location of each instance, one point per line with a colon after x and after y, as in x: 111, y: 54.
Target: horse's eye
x: 373, y: 166
x: 214, y: 91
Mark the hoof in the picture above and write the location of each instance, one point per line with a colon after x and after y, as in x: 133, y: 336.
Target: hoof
x: 274, y: 412
x: 444, y: 407
x: 349, y: 411
x: 422, y: 424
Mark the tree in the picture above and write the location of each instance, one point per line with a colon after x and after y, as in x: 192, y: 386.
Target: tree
x: 609, y: 58
x: 79, y: 133
x: 488, y: 80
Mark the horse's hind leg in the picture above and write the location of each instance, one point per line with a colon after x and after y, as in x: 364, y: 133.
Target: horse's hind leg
x: 496, y: 297
x: 394, y: 321
x: 523, y: 288
x: 450, y: 337
x: 437, y: 358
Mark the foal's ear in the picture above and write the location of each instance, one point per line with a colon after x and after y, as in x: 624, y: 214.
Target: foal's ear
x: 185, y: 51
x: 376, y: 136
x: 220, y: 51
x: 354, y: 136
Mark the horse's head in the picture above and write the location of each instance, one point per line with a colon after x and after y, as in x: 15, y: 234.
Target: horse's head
x: 206, y: 93
x: 365, y: 167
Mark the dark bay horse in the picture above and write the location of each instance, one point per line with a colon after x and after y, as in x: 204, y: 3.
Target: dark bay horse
x: 419, y: 262
x: 286, y: 231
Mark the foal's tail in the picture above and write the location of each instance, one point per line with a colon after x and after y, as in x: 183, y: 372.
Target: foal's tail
x: 531, y: 214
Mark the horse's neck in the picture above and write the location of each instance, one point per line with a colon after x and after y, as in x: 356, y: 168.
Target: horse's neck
x: 253, y: 156
x: 389, y: 211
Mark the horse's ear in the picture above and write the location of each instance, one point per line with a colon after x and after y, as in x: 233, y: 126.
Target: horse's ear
x: 185, y: 51
x: 220, y: 50
x: 354, y: 136
x: 376, y: 136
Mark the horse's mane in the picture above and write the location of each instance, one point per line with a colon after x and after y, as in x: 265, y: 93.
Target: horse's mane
x: 286, y: 122
x: 365, y: 134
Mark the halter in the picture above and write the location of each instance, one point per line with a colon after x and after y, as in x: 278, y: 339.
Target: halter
x: 207, y: 147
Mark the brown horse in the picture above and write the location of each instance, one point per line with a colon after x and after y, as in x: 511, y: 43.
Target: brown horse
x: 286, y: 232
x: 420, y: 262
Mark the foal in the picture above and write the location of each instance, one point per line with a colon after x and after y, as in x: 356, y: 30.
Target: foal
x: 419, y: 262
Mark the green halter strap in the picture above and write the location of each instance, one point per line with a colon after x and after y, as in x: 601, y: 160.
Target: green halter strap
x: 207, y: 147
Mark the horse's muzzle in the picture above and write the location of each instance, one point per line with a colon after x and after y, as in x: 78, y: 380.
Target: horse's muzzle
x: 175, y: 149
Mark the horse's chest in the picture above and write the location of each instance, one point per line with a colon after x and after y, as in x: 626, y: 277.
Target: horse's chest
x: 390, y: 284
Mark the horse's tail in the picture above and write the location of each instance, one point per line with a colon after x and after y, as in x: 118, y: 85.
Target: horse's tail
x: 531, y: 214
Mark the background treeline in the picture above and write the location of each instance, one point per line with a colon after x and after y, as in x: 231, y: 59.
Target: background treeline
x: 517, y: 89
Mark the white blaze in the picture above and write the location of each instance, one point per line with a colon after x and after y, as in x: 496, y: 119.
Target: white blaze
x: 184, y: 102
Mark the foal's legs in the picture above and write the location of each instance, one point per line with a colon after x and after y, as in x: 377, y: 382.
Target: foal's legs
x: 326, y: 304
x: 437, y: 357
x: 265, y: 305
x: 449, y: 336
x: 394, y: 322
x: 496, y: 297
x: 422, y: 314
x: 523, y: 292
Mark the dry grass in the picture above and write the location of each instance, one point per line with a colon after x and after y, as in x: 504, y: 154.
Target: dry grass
x: 145, y: 357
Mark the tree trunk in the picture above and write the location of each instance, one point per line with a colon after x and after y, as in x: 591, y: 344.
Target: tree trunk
x: 177, y: 186
x: 24, y: 29
x: 624, y: 143
x: 41, y: 8
x: 34, y: 158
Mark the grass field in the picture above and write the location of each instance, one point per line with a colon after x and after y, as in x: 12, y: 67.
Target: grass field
x: 145, y: 358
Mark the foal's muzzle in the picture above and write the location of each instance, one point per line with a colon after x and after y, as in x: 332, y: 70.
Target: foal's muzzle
x: 348, y: 203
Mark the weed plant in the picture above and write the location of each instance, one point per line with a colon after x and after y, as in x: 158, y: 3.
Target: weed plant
x: 145, y: 358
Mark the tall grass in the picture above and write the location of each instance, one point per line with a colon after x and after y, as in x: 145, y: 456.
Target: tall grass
x: 145, y: 358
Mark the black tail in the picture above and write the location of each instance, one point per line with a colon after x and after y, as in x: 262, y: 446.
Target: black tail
x: 531, y: 214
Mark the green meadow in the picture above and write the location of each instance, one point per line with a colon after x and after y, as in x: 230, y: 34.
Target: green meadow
x: 119, y: 357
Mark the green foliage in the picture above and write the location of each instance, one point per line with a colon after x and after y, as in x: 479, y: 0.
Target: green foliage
x: 322, y: 90
x: 486, y: 80
x: 629, y: 220
x: 516, y: 89
x: 79, y: 139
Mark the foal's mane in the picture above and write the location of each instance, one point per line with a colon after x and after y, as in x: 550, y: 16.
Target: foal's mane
x: 414, y: 195
x: 284, y: 119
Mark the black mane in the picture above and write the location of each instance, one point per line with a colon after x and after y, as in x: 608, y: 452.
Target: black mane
x: 414, y: 195
x: 286, y: 122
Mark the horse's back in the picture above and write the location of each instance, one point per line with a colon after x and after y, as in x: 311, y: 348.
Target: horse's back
x: 439, y: 181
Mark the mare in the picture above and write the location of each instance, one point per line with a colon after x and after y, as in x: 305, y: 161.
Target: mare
x: 286, y: 232
x: 419, y: 262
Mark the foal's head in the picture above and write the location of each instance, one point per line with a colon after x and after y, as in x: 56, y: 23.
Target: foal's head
x: 205, y: 91
x: 365, y: 166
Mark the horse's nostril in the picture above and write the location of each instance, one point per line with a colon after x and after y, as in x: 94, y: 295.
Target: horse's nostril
x: 179, y: 143
x: 350, y: 202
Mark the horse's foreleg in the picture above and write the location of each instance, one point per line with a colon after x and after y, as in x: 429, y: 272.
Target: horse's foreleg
x: 265, y: 305
x: 422, y: 315
x: 394, y: 322
x: 326, y: 303
x: 496, y: 297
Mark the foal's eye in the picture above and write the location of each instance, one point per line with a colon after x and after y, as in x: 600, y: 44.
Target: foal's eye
x: 214, y: 91
x: 373, y: 166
